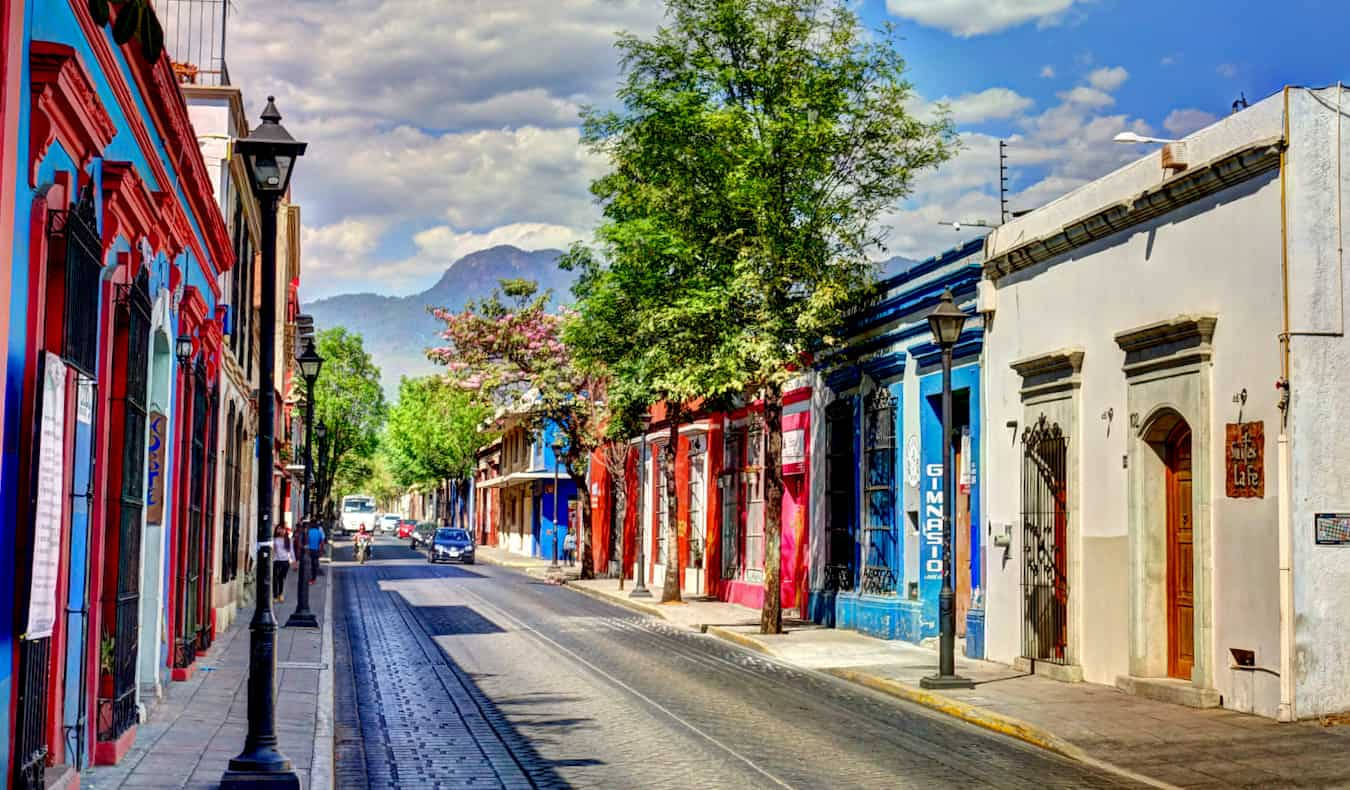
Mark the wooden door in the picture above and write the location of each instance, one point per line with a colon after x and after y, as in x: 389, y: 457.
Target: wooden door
x: 1180, y: 557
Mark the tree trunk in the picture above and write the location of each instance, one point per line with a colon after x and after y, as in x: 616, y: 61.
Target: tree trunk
x: 771, y: 616
x: 584, y: 528
x: 671, y: 591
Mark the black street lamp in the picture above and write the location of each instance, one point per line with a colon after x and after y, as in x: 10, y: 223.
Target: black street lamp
x: 309, y: 362
x: 182, y: 348
x: 558, y: 443
x: 640, y: 585
x: 269, y: 153
x: 946, y: 322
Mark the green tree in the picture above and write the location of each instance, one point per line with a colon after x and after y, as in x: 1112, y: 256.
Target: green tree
x: 758, y: 145
x: 432, y: 435
x: 349, y: 402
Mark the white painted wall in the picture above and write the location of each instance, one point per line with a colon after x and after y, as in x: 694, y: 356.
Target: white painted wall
x: 1319, y: 383
x: 1218, y: 256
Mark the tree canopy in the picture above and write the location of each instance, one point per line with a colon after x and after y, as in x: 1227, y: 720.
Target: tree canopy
x: 349, y: 402
x: 433, y: 431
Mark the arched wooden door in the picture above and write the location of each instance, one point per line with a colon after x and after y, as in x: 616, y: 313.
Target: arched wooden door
x: 1180, y: 556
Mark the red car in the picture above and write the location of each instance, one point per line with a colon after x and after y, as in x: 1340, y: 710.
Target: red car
x: 405, y: 528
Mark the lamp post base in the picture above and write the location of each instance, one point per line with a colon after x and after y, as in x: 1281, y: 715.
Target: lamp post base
x: 938, y: 682
x: 302, y: 620
x: 640, y: 592
x: 266, y: 768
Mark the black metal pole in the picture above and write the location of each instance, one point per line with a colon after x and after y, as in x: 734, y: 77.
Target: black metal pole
x: 946, y: 676
x: 302, y: 617
x: 640, y: 586
x: 261, y: 762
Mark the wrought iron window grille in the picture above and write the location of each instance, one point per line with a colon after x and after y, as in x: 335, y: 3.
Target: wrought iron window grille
x: 1045, y: 585
x: 78, y: 228
x: 879, y: 448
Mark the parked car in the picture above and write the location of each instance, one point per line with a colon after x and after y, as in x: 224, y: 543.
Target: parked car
x: 451, y: 544
x: 389, y: 522
x: 423, y: 535
x: 406, y: 527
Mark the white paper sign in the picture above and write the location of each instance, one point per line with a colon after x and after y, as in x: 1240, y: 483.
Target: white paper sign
x: 47, y: 517
x: 794, y: 446
x: 912, y: 460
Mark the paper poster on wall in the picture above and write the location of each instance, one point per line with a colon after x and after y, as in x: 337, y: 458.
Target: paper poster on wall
x: 912, y: 461
x: 966, y: 474
x: 47, y: 516
x: 794, y: 446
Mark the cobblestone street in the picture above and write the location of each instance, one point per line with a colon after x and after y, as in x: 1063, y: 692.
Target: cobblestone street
x: 454, y: 676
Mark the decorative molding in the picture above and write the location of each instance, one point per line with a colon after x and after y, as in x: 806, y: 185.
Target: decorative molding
x: 1187, y: 187
x: 1184, y: 340
x: 65, y: 107
x: 1051, y: 372
x: 203, y: 203
x: 129, y: 208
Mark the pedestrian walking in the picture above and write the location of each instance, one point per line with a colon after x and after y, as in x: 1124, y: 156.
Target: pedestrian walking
x: 314, y: 544
x: 570, y: 548
x: 282, y: 554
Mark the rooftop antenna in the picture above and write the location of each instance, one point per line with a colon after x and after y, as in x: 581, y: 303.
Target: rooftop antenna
x: 1241, y: 102
x: 1002, y: 182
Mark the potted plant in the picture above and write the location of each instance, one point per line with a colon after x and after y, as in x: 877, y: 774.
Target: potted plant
x: 106, y: 661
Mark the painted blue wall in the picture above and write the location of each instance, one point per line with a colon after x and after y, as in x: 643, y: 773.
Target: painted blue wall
x: 965, y: 377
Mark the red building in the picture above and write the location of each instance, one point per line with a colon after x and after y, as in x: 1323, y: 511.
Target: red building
x: 719, y: 515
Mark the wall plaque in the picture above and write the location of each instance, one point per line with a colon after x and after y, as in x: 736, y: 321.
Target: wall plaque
x: 1245, y: 450
x: 154, y: 469
x: 1332, y: 529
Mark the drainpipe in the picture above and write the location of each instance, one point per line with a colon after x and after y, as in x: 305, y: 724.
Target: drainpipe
x: 1286, y: 710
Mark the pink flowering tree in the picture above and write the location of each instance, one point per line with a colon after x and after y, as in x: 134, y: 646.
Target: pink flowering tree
x: 509, y: 349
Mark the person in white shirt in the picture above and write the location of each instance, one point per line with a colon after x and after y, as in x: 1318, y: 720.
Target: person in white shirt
x: 281, y: 561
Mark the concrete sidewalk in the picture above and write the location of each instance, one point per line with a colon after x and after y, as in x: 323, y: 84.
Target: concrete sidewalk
x: 535, y: 566
x: 1152, y: 742
x: 201, y: 723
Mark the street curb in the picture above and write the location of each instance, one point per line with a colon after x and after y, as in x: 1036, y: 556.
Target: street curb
x: 989, y: 720
x: 737, y: 638
x: 627, y: 603
x: 321, y: 773
x: 504, y: 563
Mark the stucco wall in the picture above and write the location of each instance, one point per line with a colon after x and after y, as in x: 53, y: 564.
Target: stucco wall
x: 1319, y: 381
x: 1219, y: 256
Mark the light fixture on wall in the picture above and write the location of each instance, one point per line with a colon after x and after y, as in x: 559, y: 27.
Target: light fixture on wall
x: 182, y: 348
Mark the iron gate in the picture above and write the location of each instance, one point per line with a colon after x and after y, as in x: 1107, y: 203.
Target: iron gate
x: 732, y: 507
x: 840, y: 493
x: 1045, y: 522
x: 30, y: 745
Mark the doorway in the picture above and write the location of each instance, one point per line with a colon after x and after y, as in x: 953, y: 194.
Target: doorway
x: 1180, y: 555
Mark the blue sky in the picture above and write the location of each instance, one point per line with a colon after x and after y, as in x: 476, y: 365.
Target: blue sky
x: 437, y: 129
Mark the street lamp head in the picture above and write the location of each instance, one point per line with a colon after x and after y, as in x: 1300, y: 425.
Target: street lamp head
x: 310, y: 362
x: 559, y: 441
x: 321, y: 431
x: 645, y: 421
x: 946, y: 321
x: 182, y: 348
x: 1131, y: 137
x: 269, y: 153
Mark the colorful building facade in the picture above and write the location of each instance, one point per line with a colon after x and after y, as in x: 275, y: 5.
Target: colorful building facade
x: 877, y: 552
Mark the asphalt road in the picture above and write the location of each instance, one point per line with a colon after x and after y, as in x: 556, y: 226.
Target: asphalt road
x: 478, y: 676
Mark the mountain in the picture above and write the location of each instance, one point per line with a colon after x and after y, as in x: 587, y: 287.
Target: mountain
x: 397, y: 330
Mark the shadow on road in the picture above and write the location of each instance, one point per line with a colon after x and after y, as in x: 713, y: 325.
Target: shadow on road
x: 404, y: 705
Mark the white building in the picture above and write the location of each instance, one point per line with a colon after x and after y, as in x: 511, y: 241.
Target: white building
x: 1165, y: 369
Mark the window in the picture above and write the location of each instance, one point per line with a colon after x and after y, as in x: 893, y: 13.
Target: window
x: 754, y: 504
x: 879, y: 577
x: 697, y: 463
x: 662, y: 501
x: 731, y: 503
x: 84, y: 268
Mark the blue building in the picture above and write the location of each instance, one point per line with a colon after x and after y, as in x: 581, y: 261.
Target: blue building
x: 877, y: 534
x: 531, y: 502
x: 112, y: 335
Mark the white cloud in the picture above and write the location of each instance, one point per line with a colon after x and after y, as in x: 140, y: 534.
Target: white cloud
x: 975, y: 17
x: 1047, y: 72
x: 989, y: 104
x: 1228, y: 70
x: 1182, y: 122
x: 1090, y: 97
x: 1108, y: 79
x: 1168, y: 60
